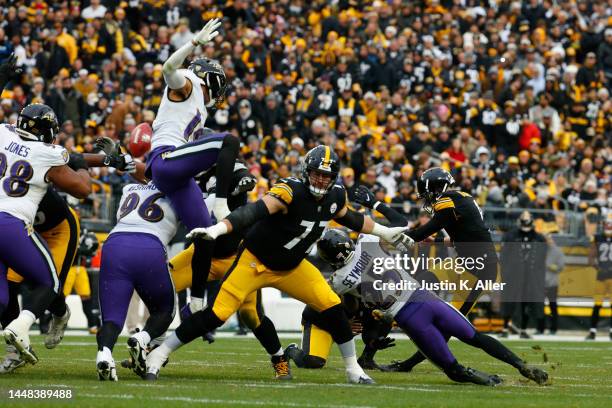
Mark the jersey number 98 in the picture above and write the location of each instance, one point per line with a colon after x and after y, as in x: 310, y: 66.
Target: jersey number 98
x: 16, y: 183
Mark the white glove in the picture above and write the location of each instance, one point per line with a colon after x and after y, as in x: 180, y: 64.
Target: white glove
x: 210, y: 233
x: 404, y: 243
x: 388, y: 234
x: 196, y: 304
x: 207, y: 33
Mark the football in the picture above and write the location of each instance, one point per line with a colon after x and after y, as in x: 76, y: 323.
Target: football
x: 140, y: 140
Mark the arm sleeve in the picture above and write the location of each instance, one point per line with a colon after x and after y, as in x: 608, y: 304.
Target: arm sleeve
x: 174, y: 79
x: 395, y: 218
x: 440, y: 220
x: 248, y: 215
x: 351, y: 220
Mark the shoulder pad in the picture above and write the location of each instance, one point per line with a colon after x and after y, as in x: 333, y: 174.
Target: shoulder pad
x: 443, y: 203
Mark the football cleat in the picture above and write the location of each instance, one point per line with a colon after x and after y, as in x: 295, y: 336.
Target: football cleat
x: 106, y: 371
x: 282, y: 369
x: 138, y: 356
x: 481, y: 378
x: 56, y: 330
x: 356, y: 377
x: 533, y: 373
x: 21, y: 344
x: 368, y: 363
x: 154, y: 362
x: 396, y: 366
x: 12, y: 360
x: 590, y: 336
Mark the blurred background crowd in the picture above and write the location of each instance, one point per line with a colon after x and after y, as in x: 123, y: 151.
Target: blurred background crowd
x: 512, y: 96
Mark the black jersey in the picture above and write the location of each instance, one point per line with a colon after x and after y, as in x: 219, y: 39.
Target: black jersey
x: 460, y: 216
x: 52, y: 210
x: 281, y: 241
x: 603, y: 246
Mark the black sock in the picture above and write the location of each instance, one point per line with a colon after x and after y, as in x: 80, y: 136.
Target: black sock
x: 495, y: 348
x: 197, y: 325
x: 368, y: 353
x: 225, y: 165
x: 200, y: 266
x: 38, y: 300
x: 595, y: 316
x: 11, y: 311
x: 158, y: 323
x: 267, y: 336
x: 92, y: 319
x: 58, y: 306
x: 107, y: 335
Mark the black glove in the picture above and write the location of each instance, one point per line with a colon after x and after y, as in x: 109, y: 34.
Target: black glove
x: 382, y: 343
x: 77, y: 162
x: 8, y: 70
x: 122, y: 162
x: 364, y: 197
x: 108, y: 146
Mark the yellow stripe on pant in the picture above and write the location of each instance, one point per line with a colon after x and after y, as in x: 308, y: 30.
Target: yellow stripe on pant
x: 180, y: 269
x: 316, y: 341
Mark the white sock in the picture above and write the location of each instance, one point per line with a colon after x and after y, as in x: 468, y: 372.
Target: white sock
x: 171, y: 344
x: 349, y: 355
x: 221, y: 210
x: 143, y: 337
x: 23, y: 322
x: 104, y: 355
x: 279, y: 353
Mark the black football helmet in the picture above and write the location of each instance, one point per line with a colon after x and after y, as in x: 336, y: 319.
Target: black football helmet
x: 37, y: 122
x: 336, y: 248
x: 88, y: 244
x: 323, y: 160
x: 433, y: 183
x: 211, y: 72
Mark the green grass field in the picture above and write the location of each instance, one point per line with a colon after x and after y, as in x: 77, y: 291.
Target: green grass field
x: 236, y: 372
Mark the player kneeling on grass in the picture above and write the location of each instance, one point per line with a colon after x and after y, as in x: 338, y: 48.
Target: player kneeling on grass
x: 427, y: 319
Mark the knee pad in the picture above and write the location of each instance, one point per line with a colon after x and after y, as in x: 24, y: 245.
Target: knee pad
x: 314, y: 362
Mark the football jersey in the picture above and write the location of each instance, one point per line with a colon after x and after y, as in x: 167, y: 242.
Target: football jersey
x: 281, y: 241
x: 603, y: 245
x: 143, y: 208
x: 348, y: 279
x: 177, y: 123
x: 23, y: 172
x: 52, y: 210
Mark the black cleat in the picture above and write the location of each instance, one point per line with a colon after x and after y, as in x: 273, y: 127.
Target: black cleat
x: 368, y: 363
x: 590, y: 336
x: 282, y: 369
x: 481, y: 378
x: 396, y: 367
x: 138, y: 357
x: 533, y: 373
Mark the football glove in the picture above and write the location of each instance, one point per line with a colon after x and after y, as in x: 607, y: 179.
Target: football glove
x: 9, y: 70
x: 208, y: 233
x: 208, y: 33
x: 122, y: 162
x: 403, y: 243
x: 363, y: 196
x: 108, y: 146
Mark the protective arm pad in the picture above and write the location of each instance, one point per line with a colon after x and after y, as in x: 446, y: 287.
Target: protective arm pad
x: 248, y: 215
x: 174, y: 79
x: 352, y: 220
x: 77, y: 162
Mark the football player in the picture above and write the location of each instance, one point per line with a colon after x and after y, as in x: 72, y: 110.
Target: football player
x: 427, y: 319
x: 601, y: 258
x: 27, y: 167
x: 460, y: 216
x: 134, y: 257
x: 284, y: 225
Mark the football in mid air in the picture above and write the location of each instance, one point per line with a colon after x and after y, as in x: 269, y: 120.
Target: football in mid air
x: 140, y: 140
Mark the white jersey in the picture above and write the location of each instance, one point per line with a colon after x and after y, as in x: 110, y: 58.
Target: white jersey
x: 143, y: 208
x: 177, y: 123
x: 348, y: 279
x: 23, y: 172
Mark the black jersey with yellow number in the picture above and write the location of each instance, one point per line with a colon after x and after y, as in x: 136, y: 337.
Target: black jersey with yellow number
x: 603, y: 246
x: 460, y: 216
x: 281, y: 241
x: 52, y: 210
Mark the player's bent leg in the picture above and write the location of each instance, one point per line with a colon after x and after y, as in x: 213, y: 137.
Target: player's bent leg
x: 180, y: 269
x: 305, y: 283
x: 316, y: 345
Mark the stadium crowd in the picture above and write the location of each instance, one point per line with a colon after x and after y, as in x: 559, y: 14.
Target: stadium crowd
x: 512, y: 97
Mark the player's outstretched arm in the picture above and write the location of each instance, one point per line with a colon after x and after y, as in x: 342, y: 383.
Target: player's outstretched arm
x: 364, y: 197
x: 76, y: 183
x: 122, y: 162
x: 241, y: 218
x: 176, y: 81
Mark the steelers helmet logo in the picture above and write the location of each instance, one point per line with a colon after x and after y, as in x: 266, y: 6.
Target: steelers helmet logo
x: 333, y: 208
